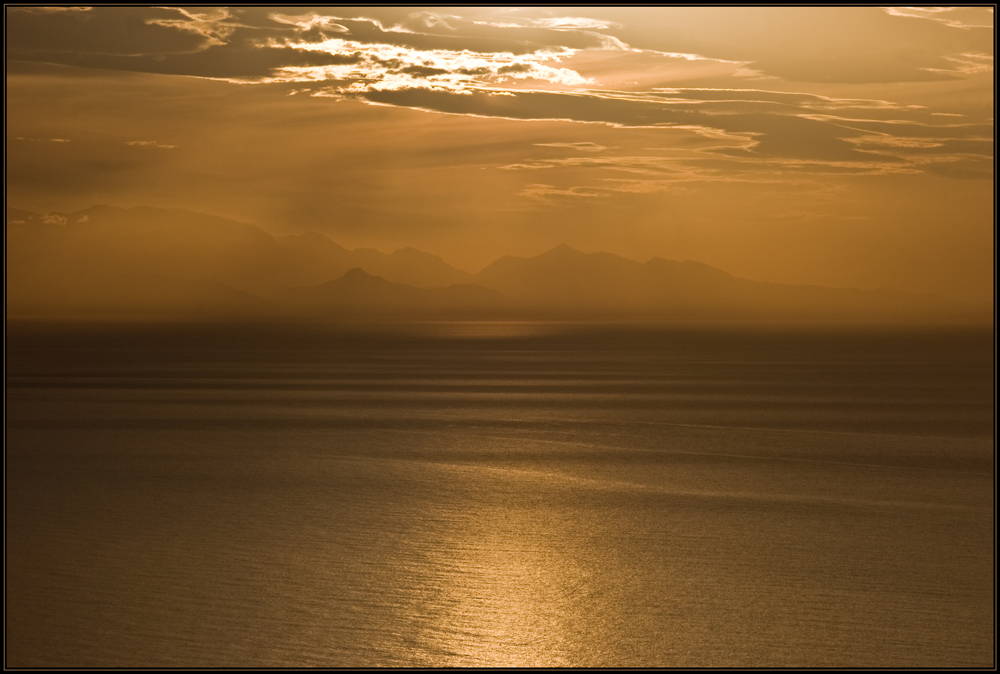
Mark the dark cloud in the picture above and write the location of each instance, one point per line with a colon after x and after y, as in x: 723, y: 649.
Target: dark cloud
x: 814, y: 44
x: 253, y: 42
x: 474, y: 71
x: 102, y: 30
x: 127, y: 38
x: 537, y: 105
x: 514, y: 68
x: 219, y: 62
x: 770, y: 135
x: 423, y: 71
x: 391, y: 64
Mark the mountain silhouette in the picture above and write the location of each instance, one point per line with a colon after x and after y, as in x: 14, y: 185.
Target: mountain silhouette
x: 63, y: 260
x: 408, y: 265
x: 151, y: 260
x: 566, y: 282
x: 563, y: 278
x: 143, y: 240
x: 360, y: 293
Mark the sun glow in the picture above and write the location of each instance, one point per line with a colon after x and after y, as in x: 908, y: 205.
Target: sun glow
x: 389, y: 67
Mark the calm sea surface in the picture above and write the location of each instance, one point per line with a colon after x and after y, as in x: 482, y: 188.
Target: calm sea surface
x: 490, y: 494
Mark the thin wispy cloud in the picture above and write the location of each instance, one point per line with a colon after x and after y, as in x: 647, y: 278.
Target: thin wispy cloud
x: 584, y: 146
x: 150, y: 144
x: 968, y: 64
x: 955, y: 17
x: 44, y: 140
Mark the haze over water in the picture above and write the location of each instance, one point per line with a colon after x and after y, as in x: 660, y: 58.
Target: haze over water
x: 496, y: 494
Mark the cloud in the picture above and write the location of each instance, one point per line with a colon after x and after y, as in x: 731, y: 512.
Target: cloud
x: 544, y: 192
x: 762, y: 136
x: 48, y: 10
x: 659, y: 173
x: 100, y: 30
x: 574, y: 22
x: 745, y: 128
x: 384, y: 66
x: 428, y: 31
x: 805, y: 44
x: 584, y: 146
x: 46, y: 140
x: 974, y: 170
x: 909, y: 128
x: 967, y: 64
x: 256, y: 45
x: 795, y: 100
x: 209, y: 42
x: 231, y: 63
x: 628, y: 164
x: 830, y: 44
x: 955, y: 17
x: 528, y: 64
x: 150, y: 143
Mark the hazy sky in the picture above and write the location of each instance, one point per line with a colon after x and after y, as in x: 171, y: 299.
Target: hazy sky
x: 842, y: 146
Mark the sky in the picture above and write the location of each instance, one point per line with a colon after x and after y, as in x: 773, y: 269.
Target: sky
x: 837, y: 146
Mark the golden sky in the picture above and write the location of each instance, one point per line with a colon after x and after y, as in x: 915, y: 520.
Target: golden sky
x: 840, y: 146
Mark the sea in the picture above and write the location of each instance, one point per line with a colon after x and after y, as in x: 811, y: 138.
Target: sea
x: 499, y: 494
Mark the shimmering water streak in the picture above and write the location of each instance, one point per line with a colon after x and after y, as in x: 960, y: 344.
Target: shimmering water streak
x: 578, y: 499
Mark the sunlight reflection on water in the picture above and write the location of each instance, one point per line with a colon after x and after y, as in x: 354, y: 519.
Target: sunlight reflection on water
x: 483, y: 329
x: 509, y: 584
x: 683, y: 498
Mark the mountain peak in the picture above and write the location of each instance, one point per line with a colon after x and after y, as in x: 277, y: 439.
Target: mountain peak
x: 561, y: 250
x: 20, y: 214
x: 356, y: 273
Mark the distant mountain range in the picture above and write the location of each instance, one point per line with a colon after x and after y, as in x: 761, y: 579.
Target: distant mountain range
x: 152, y: 261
